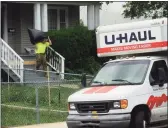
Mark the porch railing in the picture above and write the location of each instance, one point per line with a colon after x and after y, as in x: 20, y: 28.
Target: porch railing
x: 12, y: 60
x: 55, y: 61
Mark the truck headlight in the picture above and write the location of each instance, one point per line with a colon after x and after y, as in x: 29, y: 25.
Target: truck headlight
x: 121, y: 104
x: 72, y: 106
x: 116, y: 104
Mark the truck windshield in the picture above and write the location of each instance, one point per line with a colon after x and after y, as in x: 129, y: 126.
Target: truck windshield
x: 129, y: 72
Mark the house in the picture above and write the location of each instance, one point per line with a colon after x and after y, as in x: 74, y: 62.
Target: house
x: 17, y: 16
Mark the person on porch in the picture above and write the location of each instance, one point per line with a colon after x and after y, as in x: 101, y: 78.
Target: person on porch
x: 40, y: 49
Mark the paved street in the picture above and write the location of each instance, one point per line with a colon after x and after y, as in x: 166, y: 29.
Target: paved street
x: 48, y: 125
x: 63, y: 125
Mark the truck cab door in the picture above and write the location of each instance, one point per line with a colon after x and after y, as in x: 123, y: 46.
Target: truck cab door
x: 158, y: 81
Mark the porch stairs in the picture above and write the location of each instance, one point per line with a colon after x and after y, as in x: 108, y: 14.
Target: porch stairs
x: 21, y: 68
x: 11, y: 62
x: 33, y: 76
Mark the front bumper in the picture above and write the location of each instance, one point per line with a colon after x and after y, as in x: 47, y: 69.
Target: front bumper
x: 100, y: 121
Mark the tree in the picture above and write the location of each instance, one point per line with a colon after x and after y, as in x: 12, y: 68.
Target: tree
x: 153, y: 9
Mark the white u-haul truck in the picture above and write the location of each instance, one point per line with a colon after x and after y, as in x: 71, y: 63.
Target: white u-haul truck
x: 128, y: 91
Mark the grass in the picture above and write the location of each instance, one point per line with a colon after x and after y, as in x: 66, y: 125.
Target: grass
x: 16, y: 117
x: 26, y: 96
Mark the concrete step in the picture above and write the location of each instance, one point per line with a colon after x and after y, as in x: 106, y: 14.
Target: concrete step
x: 28, y: 57
x: 38, y: 79
x: 31, y: 66
x: 30, y: 73
x: 29, y: 62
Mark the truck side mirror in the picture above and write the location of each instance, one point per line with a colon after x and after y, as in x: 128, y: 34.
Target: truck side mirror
x: 83, y: 80
x: 162, y: 76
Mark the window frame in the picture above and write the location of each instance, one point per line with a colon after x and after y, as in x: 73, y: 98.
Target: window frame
x: 58, y: 15
x: 157, y: 67
x: 50, y: 21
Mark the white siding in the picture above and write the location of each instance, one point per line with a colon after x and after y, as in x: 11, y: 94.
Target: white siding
x: 14, y: 40
x: 26, y: 22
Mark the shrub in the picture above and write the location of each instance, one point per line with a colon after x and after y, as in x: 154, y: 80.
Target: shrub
x: 78, y: 46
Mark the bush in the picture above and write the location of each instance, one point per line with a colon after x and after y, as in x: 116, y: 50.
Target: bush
x: 78, y: 46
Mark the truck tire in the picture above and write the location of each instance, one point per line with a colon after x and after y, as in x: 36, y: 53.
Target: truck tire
x: 139, y: 120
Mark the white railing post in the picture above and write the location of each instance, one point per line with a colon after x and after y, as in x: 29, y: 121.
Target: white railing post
x: 7, y: 55
x: 2, y: 50
x: 21, y: 71
x: 62, y: 67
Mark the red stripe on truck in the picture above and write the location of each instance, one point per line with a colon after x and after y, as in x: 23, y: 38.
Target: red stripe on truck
x: 157, y: 101
x: 91, y: 90
x: 103, y: 89
x: 133, y: 47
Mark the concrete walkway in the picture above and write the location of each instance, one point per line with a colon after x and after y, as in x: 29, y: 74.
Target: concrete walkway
x: 63, y: 125
x: 48, y: 125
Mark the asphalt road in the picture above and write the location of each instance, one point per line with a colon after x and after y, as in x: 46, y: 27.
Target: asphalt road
x: 63, y: 125
x: 48, y: 125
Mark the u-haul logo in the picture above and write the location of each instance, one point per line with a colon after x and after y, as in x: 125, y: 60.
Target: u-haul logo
x: 156, y: 101
x: 138, y: 36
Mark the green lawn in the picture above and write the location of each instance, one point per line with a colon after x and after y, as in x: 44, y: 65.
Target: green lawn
x: 17, y: 117
x: 25, y: 96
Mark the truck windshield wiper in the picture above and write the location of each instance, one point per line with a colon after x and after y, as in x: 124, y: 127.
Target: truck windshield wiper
x: 97, y: 82
x: 124, y: 81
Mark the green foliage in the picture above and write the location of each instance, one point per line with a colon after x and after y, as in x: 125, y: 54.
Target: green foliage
x: 78, y: 46
x: 137, y: 9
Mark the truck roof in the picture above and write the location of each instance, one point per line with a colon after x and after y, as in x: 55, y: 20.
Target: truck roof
x: 132, y: 25
x: 139, y: 58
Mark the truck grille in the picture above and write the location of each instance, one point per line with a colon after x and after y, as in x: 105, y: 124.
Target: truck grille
x: 87, y: 107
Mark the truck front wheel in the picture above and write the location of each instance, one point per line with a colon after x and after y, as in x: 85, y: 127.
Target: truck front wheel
x: 139, y: 120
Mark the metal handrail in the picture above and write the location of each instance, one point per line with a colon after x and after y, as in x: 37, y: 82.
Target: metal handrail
x: 55, y: 60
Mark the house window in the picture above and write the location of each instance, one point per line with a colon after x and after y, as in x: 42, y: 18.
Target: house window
x: 52, y: 19
x: 57, y: 18
x: 62, y: 18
